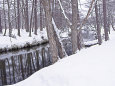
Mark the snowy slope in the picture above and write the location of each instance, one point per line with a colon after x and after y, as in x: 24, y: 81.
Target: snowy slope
x: 89, y: 67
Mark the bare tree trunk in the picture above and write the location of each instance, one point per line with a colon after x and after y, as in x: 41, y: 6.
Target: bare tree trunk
x: 88, y: 14
x: 0, y: 24
x: 23, y: 15
x: 105, y: 21
x: 112, y: 22
x: 63, y: 12
x: 74, y: 29
x: 4, y: 17
x: 18, y: 19
x: 35, y: 17
x: 31, y: 19
x: 61, y: 50
x: 79, y: 36
x: 41, y: 16
x: 26, y: 17
x: 9, y: 22
x: 108, y: 16
x: 50, y: 32
x: 98, y: 25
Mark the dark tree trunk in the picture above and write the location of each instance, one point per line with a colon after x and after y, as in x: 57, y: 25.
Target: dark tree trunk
x: 35, y: 17
x: 50, y: 32
x: 4, y: 17
x: 15, y: 21
x: 31, y: 19
x: 74, y: 26
x: 9, y: 22
x: 105, y: 21
x: 98, y: 25
x: 18, y: 19
x: 26, y: 17
x: 41, y: 16
x: 0, y: 24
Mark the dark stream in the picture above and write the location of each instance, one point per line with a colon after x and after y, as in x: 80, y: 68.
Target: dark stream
x: 18, y: 65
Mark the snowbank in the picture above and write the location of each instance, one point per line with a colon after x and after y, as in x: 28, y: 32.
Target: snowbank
x: 8, y: 43
x: 90, y: 67
x: 90, y: 43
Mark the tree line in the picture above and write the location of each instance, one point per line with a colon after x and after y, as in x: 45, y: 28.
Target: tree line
x: 54, y: 15
x: 75, y: 25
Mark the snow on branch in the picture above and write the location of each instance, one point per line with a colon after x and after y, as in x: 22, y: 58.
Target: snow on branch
x: 57, y: 33
x: 63, y: 12
x: 88, y: 13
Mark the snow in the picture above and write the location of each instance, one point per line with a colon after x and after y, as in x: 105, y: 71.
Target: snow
x: 57, y: 32
x: 5, y: 55
x: 82, y: 7
x: 63, y: 12
x: 20, y: 42
x: 91, y: 42
x: 93, y: 66
x: 64, y: 34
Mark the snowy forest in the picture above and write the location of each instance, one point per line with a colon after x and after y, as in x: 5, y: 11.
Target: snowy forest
x: 57, y: 42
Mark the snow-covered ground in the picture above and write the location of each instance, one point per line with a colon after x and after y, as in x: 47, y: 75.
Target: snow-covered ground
x: 91, y: 42
x: 90, y: 67
x: 8, y: 43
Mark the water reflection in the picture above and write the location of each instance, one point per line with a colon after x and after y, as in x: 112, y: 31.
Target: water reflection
x: 19, y: 66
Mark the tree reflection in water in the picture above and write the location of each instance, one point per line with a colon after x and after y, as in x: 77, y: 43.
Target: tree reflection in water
x: 19, y: 67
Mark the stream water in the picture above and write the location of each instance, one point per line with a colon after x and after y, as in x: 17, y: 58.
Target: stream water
x: 18, y: 65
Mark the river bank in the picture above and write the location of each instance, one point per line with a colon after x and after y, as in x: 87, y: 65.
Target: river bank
x: 18, y: 42
x: 93, y: 66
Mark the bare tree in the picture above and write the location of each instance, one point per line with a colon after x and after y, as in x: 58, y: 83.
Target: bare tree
x: 15, y: 10
x: 74, y: 28
x: 105, y: 20
x: 41, y: 16
x: 31, y: 18
x: 98, y: 25
x: 50, y: 32
x: 26, y: 16
x: 35, y: 16
x: 10, y: 27
x: 4, y: 17
x: 18, y: 19
x: 0, y: 24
